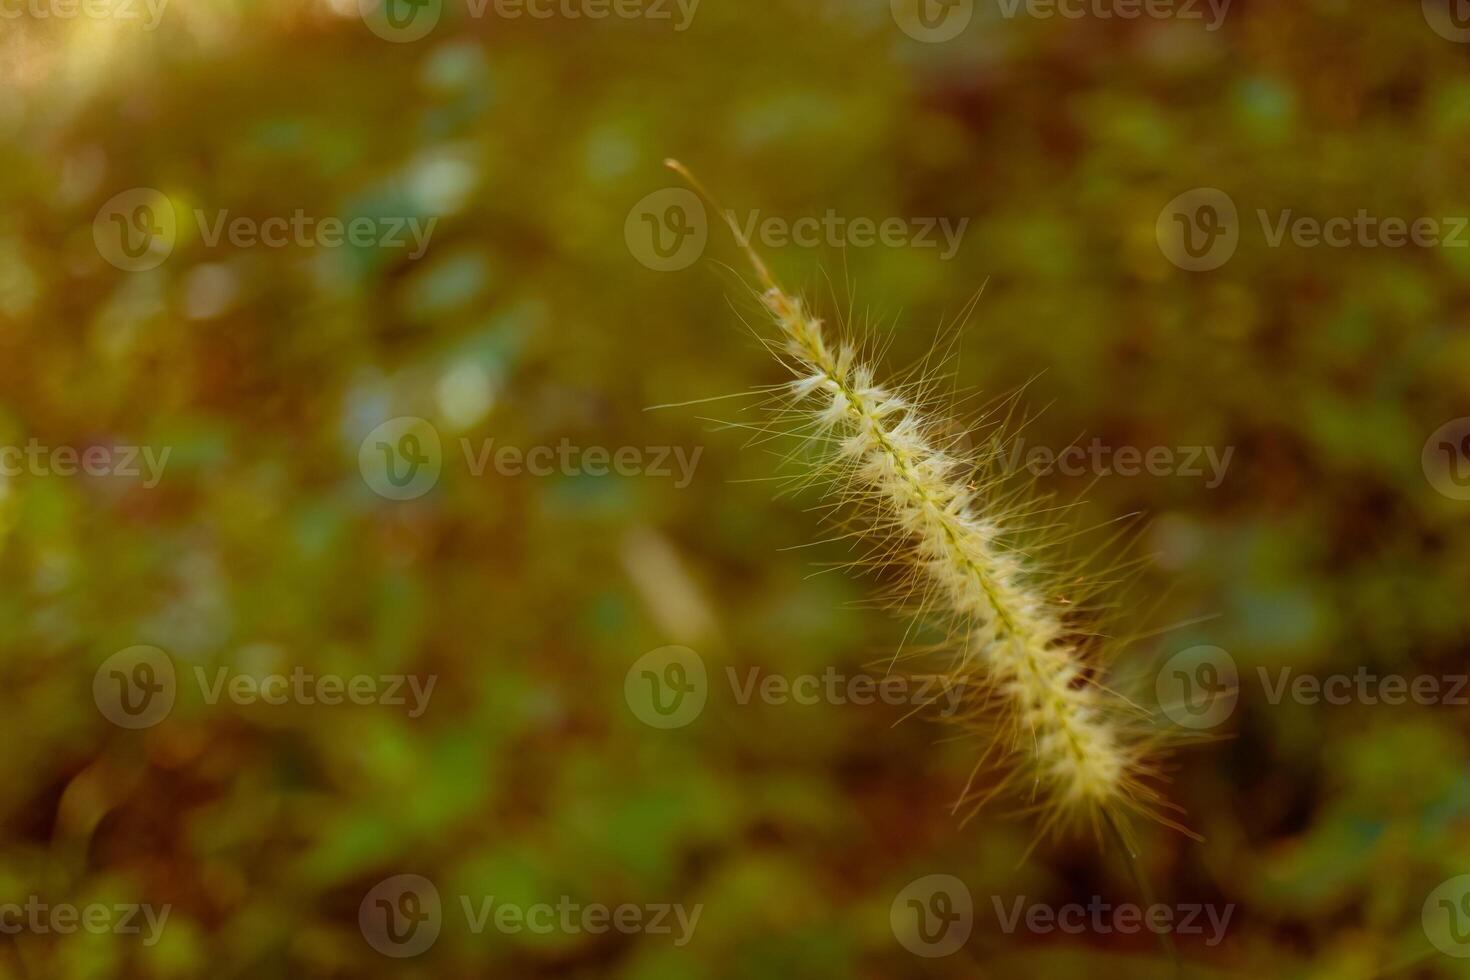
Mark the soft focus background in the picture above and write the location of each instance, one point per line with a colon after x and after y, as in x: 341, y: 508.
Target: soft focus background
x: 534, y: 317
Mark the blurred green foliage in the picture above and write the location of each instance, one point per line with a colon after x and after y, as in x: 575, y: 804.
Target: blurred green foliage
x: 530, y: 321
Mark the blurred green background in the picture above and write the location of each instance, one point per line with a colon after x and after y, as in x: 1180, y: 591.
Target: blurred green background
x: 533, y: 318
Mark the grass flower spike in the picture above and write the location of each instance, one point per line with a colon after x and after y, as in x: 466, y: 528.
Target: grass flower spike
x: 1069, y: 744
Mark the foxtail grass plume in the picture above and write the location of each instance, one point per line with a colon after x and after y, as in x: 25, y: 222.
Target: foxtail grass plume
x: 1073, y: 749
